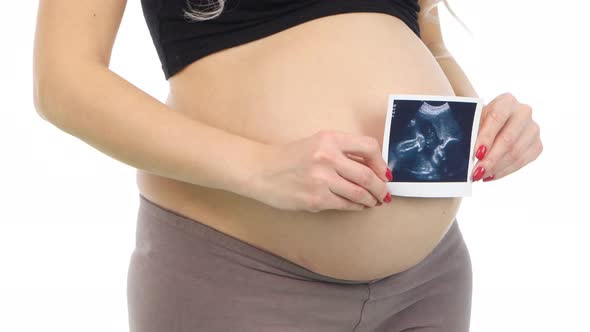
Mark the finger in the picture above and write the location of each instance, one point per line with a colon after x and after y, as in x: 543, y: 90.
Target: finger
x: 344, y: 204
x: 528, y: 137
x: 389, y: 174
x: 505, y: 139
x: 356, y: 158
x: 351, y: 193
x: 494, y: 116
x: 366, y: 147
x: 530, y: 154
x: 362, y: 176
x: 340, y: 203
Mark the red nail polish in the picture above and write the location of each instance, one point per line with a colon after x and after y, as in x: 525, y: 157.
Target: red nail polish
x: 479, y: 172
x: 489, y: 178
x: 388, y: 174
x: 387, y: 198
x: 481, y: 152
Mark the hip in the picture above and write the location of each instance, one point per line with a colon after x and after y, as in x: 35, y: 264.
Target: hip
x: 185, y: 273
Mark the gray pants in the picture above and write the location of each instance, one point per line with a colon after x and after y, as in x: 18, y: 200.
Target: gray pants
x: 186, y: 276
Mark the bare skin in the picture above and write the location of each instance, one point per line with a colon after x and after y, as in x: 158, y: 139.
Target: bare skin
x: 330, y: 73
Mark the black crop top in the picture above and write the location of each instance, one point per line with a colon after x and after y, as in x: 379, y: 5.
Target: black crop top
x: 180, y: 41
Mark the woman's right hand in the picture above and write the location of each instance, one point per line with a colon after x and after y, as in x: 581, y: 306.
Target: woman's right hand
x: 316, y: 173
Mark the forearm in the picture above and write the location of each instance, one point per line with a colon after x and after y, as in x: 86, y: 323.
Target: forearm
x: 455, y: 74
x: 112, y: 115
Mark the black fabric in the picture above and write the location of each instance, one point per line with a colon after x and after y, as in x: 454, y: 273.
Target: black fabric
x: 180, y: 41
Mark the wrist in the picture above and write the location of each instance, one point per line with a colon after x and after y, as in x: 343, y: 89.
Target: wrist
x: 255, y: 158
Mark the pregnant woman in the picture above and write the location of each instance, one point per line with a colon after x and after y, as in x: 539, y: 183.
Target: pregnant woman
x: 263, y: 202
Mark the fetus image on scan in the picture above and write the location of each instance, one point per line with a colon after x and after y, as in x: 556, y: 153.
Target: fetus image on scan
x: 430, y: 140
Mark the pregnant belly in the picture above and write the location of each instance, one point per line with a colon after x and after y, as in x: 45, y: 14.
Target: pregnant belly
x: 330, y: 73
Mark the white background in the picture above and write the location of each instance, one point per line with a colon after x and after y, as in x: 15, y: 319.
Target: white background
x: 67, y: 217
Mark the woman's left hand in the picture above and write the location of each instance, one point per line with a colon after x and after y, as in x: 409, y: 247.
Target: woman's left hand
x: 510, y: 137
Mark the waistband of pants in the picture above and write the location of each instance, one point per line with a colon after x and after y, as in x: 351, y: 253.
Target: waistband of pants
x: 192, y: 226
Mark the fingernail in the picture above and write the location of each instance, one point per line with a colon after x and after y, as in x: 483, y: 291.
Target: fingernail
x: 388, y: 174
x: 481, y: 152
x: 478, y: 173
x: 387, y: 198
x: 489, y: 178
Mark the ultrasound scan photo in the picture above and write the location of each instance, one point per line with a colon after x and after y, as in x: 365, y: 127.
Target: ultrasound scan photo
x: 428, y: 144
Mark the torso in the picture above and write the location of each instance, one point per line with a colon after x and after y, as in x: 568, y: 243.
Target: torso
x: 334, y: 72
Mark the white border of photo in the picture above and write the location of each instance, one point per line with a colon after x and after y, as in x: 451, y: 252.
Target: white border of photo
x: 432, y: 189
